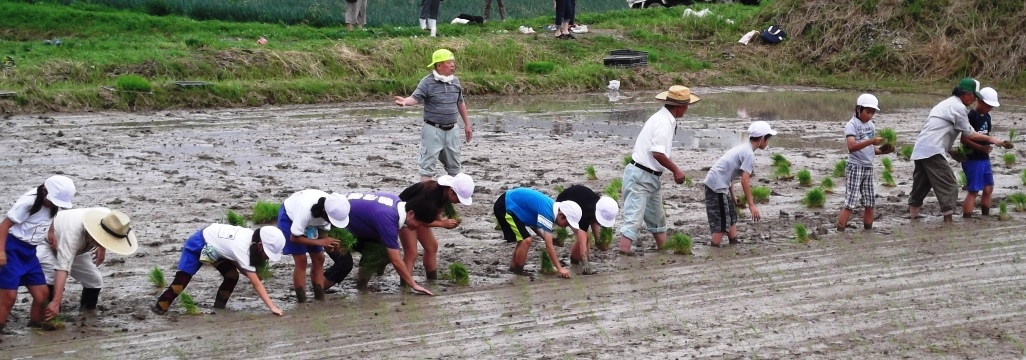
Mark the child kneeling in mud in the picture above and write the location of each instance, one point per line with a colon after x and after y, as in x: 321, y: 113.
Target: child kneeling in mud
x: 738, y: 162
x: 229, y: 249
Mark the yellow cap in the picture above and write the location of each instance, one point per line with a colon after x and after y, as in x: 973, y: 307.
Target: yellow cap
x: 441, y: 55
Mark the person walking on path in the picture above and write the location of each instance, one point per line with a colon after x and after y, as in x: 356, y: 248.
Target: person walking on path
x: 356, y: 14
x: 230, y: 249
x: 305, y: 218
x: 642, y: 199
x: 977, y: 168
x: 442, y: 96
x: 82, y: 238
x: 25, y: 226
x: 947, y: 119
x: 736, y: 163
x: 861, y: 141
x: 488, y: 9
x: 429, y: 15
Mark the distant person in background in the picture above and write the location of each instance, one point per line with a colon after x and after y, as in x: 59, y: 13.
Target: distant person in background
x: 356, y: 13
x: 488, y: 9
x: 564, y: 12
x: 429, y: 15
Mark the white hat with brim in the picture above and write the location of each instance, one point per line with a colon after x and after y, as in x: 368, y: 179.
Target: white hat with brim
x: 760, y: 129
x: 112, y: 230
x: 571, y: 211
x: 989, y: 96
x: 677, y: 95
x: 337, y: 208
x: 60, y: 190
x: 462, y: 184
x: 273, y: 241
x: 605, y: 211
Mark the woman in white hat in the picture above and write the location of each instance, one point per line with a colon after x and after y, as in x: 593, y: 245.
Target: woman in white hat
x: 447, y: 190
x: 229, y: 249
x: 305, y: 219
x: 24, y: 227
x: 78, y: 234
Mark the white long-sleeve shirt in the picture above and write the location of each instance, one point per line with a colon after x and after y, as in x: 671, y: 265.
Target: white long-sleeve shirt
x: 947, y: 120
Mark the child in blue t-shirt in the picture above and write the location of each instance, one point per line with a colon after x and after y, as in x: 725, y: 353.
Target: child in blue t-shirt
x: 978, y: 174
x: 517, y: 209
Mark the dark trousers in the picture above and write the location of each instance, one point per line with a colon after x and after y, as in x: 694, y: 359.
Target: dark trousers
x: 488, y: 9
x: 429, y: 9
x: 564, y: 11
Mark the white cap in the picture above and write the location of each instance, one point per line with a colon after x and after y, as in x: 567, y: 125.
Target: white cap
x: 273, y: 241
x: 606, y: 210
x: 989, y: 96
x: 337, y: 207
x: 571, y: 211
x: 462, y: 184
x: 60, y: 190
x: 760, y: 129
x: 869, y: 101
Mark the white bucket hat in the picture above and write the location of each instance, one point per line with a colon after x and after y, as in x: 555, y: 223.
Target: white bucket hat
x: 337, y: 208
x: 571, y: 210
x: 111, y: 229
x: 989, y: 96
x: 462, y: 184
x: 60, y: 190
x: 606, y: 210
x: 273, y: 241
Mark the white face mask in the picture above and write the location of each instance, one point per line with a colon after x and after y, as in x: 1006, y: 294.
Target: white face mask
x: 445, y: 79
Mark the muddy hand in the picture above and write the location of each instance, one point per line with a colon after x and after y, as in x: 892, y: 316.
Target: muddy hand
x: 564, y: 273
x: 275, y: 310
x: 679, y: 177
x: 1007, y: 144
x: 52, y: 311
x: 422, y: 290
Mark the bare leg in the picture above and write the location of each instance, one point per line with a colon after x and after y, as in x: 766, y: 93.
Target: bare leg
x: 732, y: 235
x: 625, y: 245
x: 985, y: 201
x: 317, y: 275
x: 717, y: 239
x: 408, y: 238
x: 660, y: 240
x: 7, y: 299
x: 39, y: 293
x: 913, y: 212
x: 520, y: 255
x: 969, y: 204
x: 842, y: 219
x: 427, y: 239
x: 867, y: 219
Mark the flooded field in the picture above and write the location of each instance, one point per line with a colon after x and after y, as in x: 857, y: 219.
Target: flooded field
x: 929, y: 291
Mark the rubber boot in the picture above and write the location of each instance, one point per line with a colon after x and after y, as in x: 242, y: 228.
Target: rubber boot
x: 300, y: 294
x: 177, y: 286
x: 423, y: 24
x: 432, y: 24
x: 318, y: 292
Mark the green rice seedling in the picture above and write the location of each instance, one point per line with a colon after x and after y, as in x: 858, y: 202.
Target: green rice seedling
x: 782, y: 171
x: 1009, y: 159
x: 605, y: 240
x: 814, y: 198
x: 627, y: 159
x: 188, y: 304
x: 888, y: 179
x: 559, y: 188
x: 804, y: 177
x: 801, y: 233
x: 960, y: 153
x: 742, y: 201
x: 547, y: 266
x: 373, y: 259
x: 779, y: 159
x: 1011, y: 135
x: 1019, y: 200
x: 887, y: 164
x: 962, y: 181
x: 688, y: 181
x: 133, y: 83
x: 1003, y: 211
x: 560, y: 234
x: 449, y: 210
x: 680, y: 244
x: 827, y: 184
x: 265, y: 212
x: 157, y: 278
x: 839, y: 168
x: 346, y: 240
x: 889, y: 135
x: 56, y: 324
x: 761, y: 194
x: 1022, y: 176
x: 905, y: 152
x: 590, y: 172
x: 539, y: 67
x: 234, y: 218
x: 264, y: 271
x: 614, y: 189
x: 458, y: 274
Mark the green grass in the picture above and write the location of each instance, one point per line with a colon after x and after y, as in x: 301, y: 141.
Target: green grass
x: 839, y: 167
x: 1019, y: 200
x: 614, y: 189
x: 627, y: 159
x: 539, y: 67
x: 265, y: 212
x: 887, y: 164
x: 449, y: 210
x: 827, y: 184
x: 134, y: 83
x: 680, y: 244
x: 590, y: 173
x: 547, y: 266
x: 814, y: 198
x: 234, y: 218
x: 801, y: 233
x: 761, y: 194
x: 889, y: 135
x: 804, y: 177
x: 888, y: 179
x: 189, y: 304
x: 157, y: 278
x: 346, y: 240
x: 458, y: 274
x: 905, y: 152
x: 1009, y: 159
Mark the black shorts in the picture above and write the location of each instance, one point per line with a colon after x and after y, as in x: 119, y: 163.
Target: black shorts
x: 513, y: 230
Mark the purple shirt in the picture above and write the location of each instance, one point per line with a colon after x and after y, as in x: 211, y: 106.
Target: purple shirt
x: 376, y: 216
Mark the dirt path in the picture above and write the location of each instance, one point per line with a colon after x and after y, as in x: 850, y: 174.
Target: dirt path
x: 928, y: 291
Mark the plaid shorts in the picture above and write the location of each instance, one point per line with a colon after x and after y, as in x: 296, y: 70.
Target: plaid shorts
x: 720, y: 210
x: 858, y: 180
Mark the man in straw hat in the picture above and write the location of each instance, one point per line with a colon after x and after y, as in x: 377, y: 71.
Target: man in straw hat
x: 442, y: 96
x: 82, y: 238
x: 946, y: 121
x: 641, y: 197
x: 229, y: 249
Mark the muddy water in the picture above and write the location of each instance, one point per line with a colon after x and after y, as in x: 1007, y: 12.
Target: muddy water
x: 176, y: 171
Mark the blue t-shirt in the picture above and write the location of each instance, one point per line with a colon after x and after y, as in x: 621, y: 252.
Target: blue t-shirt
x: 533, y: 208
x: 376, y: 216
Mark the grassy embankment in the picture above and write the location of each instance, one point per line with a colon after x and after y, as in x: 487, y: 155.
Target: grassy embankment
x: 304, y: 64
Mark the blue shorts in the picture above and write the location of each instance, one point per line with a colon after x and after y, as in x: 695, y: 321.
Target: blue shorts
x: 285, y: 225
x: 23, y: 268
x: 977, y: 175
x: 190, y: 260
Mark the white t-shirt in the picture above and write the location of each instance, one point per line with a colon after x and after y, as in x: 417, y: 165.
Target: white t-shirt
x: 29, y: 228
x: 655, y: 136
x: 72, y: 238
x: 729, y: 167
x: 230, y: 242
x: 297, y: 207
x: 944, y: 124
x: 862, y: 131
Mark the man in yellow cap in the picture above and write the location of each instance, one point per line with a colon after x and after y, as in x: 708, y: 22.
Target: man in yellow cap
x: 442, y: 96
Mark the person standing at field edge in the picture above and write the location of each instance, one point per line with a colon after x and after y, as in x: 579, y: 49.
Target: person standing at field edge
x: 642, y: 199
x: 442, y: 96
x: 946, y: 121
x: 356, y: 13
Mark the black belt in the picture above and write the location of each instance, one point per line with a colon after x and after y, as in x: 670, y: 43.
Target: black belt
x: 445, y: 127
x: 646, y: 169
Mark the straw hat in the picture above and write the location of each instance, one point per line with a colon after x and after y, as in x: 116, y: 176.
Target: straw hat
x: 677, y: 95
x: 112, y: 230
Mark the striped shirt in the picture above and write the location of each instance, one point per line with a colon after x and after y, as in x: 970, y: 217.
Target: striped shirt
x: 440, y: 99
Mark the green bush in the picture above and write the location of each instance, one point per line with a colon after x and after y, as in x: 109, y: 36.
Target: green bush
x: 194, y: 43
x: 814, y: 198
x: 1003, y: 208
x: 680, y: 244
x: 804, y: 177
x: 558, y: 188
x: 560, y: 234
x: 458, y: 274
x: 839, y: 168
x: 234, y: 218
x: 158, y: 8
x: 761, y: 194
x: 801, y: 233
x: 539, y: 67
x: 133, y: 83
x: 782, y: 171
x: 265, y: 212
x: 605, y: 240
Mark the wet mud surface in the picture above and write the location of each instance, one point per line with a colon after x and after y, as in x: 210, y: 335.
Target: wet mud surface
x: 899, y: 291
